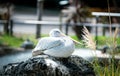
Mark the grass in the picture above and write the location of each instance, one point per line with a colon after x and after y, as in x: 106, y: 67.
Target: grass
x: 110, y: 70
x: 16, y: 41
x: 109, y: 66
x: 102, y: 40
x: 10, y: 41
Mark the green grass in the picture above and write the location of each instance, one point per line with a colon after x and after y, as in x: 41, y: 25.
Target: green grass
x: 103, y: 40
x: 107, y: 70
x: 10, y: 40
x: 109, y: 67
x: 14, y: 41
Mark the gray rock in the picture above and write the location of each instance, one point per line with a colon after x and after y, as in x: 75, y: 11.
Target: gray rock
x: 45, y: 65
x: 27, y: 44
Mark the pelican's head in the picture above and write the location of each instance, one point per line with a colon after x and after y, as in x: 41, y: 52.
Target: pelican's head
x: 55, y: 33
x: 58, y: 33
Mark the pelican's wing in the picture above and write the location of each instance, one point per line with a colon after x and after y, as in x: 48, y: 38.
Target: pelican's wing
x: 47, y: 43
x: 63, y: 50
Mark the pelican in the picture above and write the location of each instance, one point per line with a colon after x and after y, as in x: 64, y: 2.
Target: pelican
x: 56, y: 45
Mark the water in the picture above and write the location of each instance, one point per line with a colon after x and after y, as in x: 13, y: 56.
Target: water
x: 15, y: 57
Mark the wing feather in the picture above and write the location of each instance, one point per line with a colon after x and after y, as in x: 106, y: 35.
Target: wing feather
x: 47, y: 43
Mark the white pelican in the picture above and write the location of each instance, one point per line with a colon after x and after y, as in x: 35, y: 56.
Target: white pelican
x: 57, y: 45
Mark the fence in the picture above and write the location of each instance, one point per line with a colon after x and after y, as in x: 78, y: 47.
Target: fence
x: 55, y: 23
x: 39, y: 23
x: 98, y: 14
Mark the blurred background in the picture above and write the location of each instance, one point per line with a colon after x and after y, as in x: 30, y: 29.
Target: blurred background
x: 22, y: 22
x: 55, y: 11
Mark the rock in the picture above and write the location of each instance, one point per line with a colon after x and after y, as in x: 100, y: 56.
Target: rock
x: 110, y: 49
x: 45, y: 65
x: 27, y: 44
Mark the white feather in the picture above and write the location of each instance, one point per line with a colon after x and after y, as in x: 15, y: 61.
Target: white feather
x: 65, y: 49
x: 47, y: 43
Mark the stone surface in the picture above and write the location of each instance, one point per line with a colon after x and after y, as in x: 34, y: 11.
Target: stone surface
x: 45, y: 65
x: 27, y: 44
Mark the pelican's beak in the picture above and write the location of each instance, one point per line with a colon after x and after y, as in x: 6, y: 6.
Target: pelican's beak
x: 63, y: 35
x: 75, y: 41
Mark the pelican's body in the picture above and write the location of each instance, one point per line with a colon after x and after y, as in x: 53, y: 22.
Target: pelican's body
x: 55, y: 45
